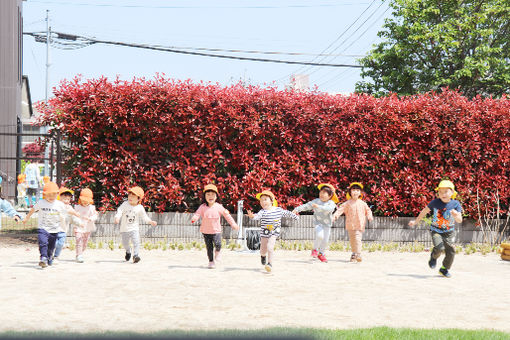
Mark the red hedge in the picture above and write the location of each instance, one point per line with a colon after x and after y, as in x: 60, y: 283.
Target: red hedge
x: 171, y: 137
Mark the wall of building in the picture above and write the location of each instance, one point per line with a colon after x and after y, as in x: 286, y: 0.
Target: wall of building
x: 11, y: 42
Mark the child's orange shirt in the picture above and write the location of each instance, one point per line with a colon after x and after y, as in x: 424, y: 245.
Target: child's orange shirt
x: 356, y: 214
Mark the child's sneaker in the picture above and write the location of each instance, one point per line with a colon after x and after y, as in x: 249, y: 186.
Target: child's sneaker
x: 50, y: 261
x: 443, y: 271
x: 136, y: 259
x: 211, y: 265
x: 263, y: 260
x: 55, y: 260
x: 358, y: 258
x: 43, y: 262
x: 322, y: 257
x: 353, y: 258
x: 315, y: 253
x: 79, y: 259
x: 268, y: 267
x: 432, y: 262
x: 128, y: 256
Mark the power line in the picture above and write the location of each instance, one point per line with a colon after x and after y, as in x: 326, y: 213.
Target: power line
x: 197, y: 7
x: 303, y: 69
x: 77, y: 41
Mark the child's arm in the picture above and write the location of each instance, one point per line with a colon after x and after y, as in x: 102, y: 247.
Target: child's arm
x: 230, y: 219
x: 146, y: 218
x: 368, y: 213
x: 339, y: 212
x: 10, y: 211
x: 328, y: 207
x: 95, y: 215
x: 118, y: 215
x: 457, y: 215
x: 197, y: 214
x: 303, y: 207
x: 289, y: 214
x: 30, y: 213
x: 422, y: 214
x: 256, y: 216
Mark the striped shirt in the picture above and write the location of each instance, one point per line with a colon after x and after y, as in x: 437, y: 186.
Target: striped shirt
x: 271, y: 220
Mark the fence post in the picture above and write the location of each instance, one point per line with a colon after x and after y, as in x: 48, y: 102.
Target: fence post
x: 59, y: 158
x: 240, y: 221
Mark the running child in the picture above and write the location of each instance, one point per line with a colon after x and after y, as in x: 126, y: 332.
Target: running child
x: 87, y: 211
x: 210, y: 212
x: 270, y: 217
x: 128, y: 215
x: 356, y: 213
x: 445, y: 212
x: 322, y: 208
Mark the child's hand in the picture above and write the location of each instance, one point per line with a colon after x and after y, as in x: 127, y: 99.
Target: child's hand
x: 193, y: 220
x: 236, y: 227
x: 117, y: 220
x: 315, y: 205
x: 153, y: 223
x: 412, y: 223
x: 295, y: 212
x: 455, y: 213
x: 250, y: 214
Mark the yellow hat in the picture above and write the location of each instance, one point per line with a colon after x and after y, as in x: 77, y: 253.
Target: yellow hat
x: 270, y: 194
x: 350, y: 186
x: 63, y: 190
x: 449, y: 185
x: 211, y: 187
x: 334, y: 198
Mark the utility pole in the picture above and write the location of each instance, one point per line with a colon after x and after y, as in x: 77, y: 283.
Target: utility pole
x: 45, y: 128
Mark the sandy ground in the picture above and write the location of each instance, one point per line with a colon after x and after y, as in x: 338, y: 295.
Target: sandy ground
x: 174, y: 290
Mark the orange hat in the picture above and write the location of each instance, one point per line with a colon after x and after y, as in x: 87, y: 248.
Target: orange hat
x: 334, y: 198
x: 86, y: 196
x: 270, y: 194
x: 137, y: 191
x: 21, y: 178
x: 50, y: 188
x: 350, y: 186
x: 211, y: 187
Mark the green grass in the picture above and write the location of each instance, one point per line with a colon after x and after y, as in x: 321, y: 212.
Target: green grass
x: 303, y: 333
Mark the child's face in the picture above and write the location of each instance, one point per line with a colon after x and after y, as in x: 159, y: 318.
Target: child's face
x: 324, y: 196
x: 66, y: 199
x: 133, y: 199
x: 210, y: 197
x: 86, y: 204
x: 266, y: 202
x: 355, y: 193
x: 445, y: 194
x: 51, y: 197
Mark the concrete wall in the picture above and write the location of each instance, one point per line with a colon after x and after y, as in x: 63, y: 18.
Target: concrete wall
x: 177, y: 226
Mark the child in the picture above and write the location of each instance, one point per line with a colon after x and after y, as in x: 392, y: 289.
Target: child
x: 128, y: 215
x: 22, y: 192
x: 7, y: 208
x: 270, y: 223
x: 210, y: 212
x: 51, y: 212
x: 65, y: 196
x: 88, y: 212
x: 356, y: 213
x: 323, y: 208
x: 445, y: 212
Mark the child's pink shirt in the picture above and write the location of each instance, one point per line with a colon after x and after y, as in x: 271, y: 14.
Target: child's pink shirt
x: 211, y: 218
x: 356, y: 214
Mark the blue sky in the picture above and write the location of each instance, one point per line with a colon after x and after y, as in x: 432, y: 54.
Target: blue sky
x: 304, y: 26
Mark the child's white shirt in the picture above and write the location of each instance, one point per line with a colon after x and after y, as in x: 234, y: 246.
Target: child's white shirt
x: 89, y: 212
x: 51, y: 215
x: 130, y: 216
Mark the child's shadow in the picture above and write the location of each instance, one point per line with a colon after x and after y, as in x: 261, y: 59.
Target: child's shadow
x: 231, y: 269
x: 416, y: 276
x: 32, y: 265
x: 110, y: 261
x: 188, y: 267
